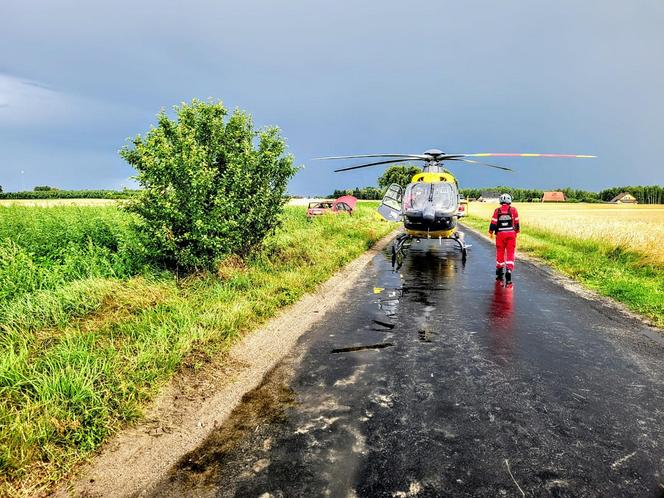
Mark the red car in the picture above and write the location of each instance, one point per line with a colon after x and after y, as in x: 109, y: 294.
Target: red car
x: 344, y: 204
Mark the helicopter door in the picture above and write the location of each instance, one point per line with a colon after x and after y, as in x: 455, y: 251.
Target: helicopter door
x: 390, y: 207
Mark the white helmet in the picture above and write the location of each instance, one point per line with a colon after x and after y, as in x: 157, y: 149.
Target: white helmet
x: 505, y: 199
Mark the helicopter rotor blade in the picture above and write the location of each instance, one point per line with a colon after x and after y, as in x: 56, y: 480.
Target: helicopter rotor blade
x: 359, y: 156
x: 481, y: 164
x: 376, y: 164
x: 510, y: 154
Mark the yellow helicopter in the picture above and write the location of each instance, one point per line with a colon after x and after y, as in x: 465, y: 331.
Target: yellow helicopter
x: 429, y: 205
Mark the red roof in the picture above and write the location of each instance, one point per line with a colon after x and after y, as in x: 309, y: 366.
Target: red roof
x: 553, y: 197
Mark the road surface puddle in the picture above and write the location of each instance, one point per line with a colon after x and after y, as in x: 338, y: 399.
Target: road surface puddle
x: 428, y: 273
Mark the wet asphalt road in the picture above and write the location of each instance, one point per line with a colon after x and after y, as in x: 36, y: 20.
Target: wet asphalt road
x: 477, y: 390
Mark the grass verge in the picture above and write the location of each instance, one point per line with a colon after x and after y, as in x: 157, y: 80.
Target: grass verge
x: 610, y: 270
x: 93, y: 355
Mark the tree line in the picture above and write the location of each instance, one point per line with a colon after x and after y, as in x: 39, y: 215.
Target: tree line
x: 534, y: 195
x: 644, y: 194
x: 649, y: 194
x: 365, y: 193
x: 43, y: 192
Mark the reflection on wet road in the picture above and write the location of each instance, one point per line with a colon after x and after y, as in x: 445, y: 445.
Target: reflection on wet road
x: 431, y: 380
x: 501, y: 319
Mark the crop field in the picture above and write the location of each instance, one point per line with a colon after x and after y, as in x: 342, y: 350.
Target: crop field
x: 615, y: 250
x: 639, y: 228
x: 89, y: 331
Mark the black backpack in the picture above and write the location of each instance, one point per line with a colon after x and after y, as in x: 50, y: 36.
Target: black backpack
x: 505, y: 220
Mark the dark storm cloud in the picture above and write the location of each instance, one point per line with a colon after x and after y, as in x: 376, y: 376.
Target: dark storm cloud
x: 77, y: 79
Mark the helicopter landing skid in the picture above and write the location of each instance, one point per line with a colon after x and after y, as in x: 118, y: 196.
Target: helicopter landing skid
x: 459, y: 238
x: 404, y: 241
x: 401, y: 244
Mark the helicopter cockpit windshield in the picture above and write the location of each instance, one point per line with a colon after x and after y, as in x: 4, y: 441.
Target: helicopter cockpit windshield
x: 442, y: 197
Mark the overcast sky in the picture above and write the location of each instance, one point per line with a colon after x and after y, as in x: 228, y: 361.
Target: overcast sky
x: 345, y: 77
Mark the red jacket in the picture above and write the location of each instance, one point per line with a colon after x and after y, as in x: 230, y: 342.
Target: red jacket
x: 505, y: 219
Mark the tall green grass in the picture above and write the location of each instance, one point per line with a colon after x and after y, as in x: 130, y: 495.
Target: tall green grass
x: 43, y: 248
x: 618, y: 273
x: 69, y: 379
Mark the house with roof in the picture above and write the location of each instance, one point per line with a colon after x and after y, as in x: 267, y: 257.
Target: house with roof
x: 553, y: 197
x: 489, y: 196
x: 624, y: 198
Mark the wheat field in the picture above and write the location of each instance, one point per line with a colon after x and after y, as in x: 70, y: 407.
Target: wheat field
x: 636, y: 227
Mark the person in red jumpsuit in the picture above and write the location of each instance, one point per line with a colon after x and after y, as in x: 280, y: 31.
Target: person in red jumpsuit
x: 505, y: 225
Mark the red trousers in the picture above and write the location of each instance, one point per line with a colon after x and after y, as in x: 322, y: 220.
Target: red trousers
x: 505, y: 246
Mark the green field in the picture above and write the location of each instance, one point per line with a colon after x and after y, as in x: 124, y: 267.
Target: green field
x: 89, y: 331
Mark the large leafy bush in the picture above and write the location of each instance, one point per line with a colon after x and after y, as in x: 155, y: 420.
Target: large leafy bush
x: 212, y: 185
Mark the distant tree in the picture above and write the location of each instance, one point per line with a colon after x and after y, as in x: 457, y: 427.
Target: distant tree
x: 471, y: 193
x: 44, y: 188
x: 212, y: 185
x: 338, y: 193
x: 365, y: 193
x: 398, y: 174
x: 372, y: 193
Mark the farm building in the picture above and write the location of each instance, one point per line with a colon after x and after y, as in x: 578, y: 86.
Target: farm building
x: 489, y: 196
x: 624, y: 198
x: 553, y: 197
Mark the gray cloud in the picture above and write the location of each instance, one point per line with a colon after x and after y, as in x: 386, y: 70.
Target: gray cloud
x: 341, y: 77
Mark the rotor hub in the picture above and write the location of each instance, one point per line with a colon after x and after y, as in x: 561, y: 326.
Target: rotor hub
x: 434, y: 161
x: 434, y: 153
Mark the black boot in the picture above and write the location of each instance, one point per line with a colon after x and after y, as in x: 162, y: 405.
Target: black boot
x: 499, y: 274
x: 508, y: 277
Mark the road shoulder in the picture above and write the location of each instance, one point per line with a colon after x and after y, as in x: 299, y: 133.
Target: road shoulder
x: 193, y: 404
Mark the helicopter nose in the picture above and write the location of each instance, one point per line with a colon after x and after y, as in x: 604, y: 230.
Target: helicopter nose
x: 429, y: 214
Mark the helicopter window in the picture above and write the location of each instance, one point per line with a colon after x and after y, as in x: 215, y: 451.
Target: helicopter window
x: 444, y: 196
x: 392, y: 198
x: 416, y: 196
